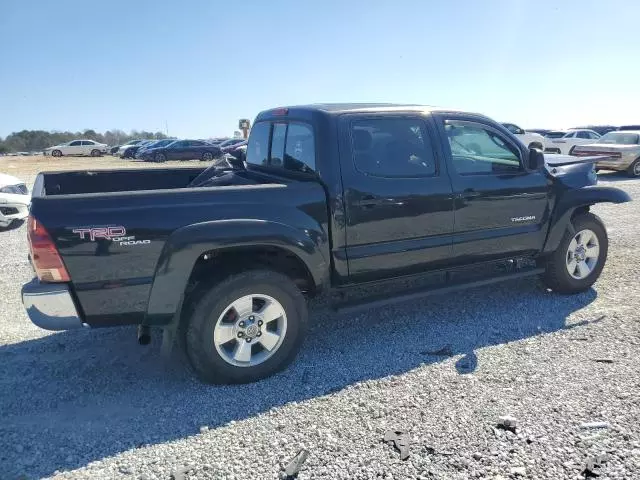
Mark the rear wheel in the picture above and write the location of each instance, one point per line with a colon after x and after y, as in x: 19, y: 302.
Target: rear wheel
x: 207, y: 156
x: 56, y: 153
x: 95, y: 153
x: 579, y: 259
x: 160, y: 157
x: 634, y: 169
x: 246, y: 328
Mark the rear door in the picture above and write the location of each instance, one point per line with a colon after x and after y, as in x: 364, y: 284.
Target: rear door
x: 397, y: 193
x: 87, y: 147
x: 501, y: 208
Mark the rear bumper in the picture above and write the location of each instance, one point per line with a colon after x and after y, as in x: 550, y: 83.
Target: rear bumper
x: 50, y: 305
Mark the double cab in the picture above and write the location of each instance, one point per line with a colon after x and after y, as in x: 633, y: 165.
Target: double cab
x: 327, y: 198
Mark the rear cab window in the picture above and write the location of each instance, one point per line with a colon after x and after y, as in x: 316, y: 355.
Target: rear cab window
x: 289, y: 145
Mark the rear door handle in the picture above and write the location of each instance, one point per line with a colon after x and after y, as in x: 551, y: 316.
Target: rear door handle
x: 469, y: 193
x: 369, y: 201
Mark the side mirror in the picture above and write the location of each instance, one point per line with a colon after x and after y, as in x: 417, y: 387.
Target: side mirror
x: 536, y: 159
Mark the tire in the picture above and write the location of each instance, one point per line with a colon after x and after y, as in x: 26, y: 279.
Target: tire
x: 212, y: 359
x: 95, y: 153
x: 536, y: 145
x: 160, y: 157
x: 634, y: 169
x: 56, y: 153
x: 557, y: 276
x: 206, y: 157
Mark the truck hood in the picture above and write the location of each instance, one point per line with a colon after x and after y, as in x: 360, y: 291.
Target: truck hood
x: 572, y: 172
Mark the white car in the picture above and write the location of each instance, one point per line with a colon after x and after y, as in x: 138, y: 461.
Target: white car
x: 572, y: 138
x: 14, y: 200
x: 530, y: 139
x: 77, y: 147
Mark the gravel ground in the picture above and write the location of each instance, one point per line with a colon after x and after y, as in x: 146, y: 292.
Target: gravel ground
x: 93, y: 404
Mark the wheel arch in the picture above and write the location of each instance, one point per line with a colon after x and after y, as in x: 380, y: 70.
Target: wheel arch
x: 206, y: 251
x: 576, y: 202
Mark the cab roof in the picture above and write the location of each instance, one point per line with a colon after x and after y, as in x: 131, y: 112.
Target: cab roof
x: 360, y: 107
x: 335, y: 109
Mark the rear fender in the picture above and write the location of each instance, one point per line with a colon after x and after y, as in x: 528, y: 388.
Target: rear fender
x: 572, y: 200
x: 185, y: 246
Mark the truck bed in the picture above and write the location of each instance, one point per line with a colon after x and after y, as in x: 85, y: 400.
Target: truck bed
x: 104, y: 181
x: 112, y: 277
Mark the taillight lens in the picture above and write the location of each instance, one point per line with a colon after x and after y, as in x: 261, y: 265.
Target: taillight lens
x: 44, y: 254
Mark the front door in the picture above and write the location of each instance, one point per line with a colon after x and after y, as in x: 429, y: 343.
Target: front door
x: 501, y: 208
x: 398, y: 196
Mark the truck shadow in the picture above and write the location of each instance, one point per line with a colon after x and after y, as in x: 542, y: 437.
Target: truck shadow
x: 75, y: 397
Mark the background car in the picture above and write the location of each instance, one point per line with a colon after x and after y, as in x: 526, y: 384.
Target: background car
x: 155, y: 144
x: 131, y: 150
x: 531, y: 140
x: 233, y: 146
x: 231, y: 142
x: 599, y: 129
x: 622, y: 149
x: 123, y: 148
x: 14, y: 200
x: 572, y: 138
x: 552, y: 134
x: 629, y: 127
x: 77, y: 147
x: 183, y: 150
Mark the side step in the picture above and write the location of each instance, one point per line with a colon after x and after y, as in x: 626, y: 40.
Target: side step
x: 382, y: 301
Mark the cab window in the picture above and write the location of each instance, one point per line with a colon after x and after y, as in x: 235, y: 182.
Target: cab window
x: 478, y: 149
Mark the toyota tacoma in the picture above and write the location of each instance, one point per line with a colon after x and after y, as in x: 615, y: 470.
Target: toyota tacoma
x: 327, y: 198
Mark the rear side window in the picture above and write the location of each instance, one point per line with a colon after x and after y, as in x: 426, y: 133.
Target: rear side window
x: 392, y: 147
x: 583, y: 135
x: 284, y: 145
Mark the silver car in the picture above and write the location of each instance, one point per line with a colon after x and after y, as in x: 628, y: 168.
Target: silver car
x: 622, y: 149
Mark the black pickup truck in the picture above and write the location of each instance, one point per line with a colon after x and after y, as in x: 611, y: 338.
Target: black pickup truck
x: 328, y: 197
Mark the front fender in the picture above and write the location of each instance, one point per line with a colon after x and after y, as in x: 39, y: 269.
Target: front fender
x: 187, y: 244
x: 571, y: 200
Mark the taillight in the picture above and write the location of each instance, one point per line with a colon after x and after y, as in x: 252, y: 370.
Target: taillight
x: 44, y: 254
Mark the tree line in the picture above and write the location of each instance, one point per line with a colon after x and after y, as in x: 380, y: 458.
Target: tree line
x: 38, y: 140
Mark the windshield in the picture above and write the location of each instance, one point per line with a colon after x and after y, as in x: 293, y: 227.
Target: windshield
x: 620, y: 138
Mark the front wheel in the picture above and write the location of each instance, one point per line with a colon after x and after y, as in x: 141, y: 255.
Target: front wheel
x: 160, y: 157
x: 579, y: 259
x: 95, y: 153
x: 246, y: 328
x: 634, y: 169
x: 207, y: 156
x: 56, y: 153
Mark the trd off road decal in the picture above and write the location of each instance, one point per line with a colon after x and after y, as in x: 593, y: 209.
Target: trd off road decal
x: 116, y: 234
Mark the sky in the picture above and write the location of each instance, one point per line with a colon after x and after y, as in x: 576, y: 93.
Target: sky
x: 195, y: 67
